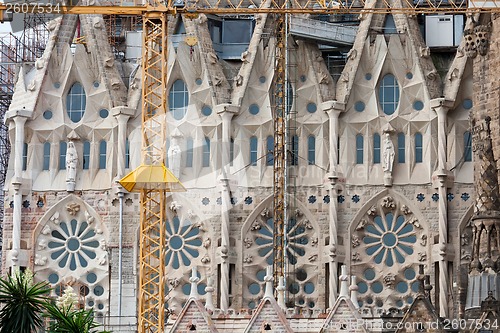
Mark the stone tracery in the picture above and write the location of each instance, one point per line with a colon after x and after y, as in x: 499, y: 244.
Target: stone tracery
x: 388, y: 254
x: 301, y: 251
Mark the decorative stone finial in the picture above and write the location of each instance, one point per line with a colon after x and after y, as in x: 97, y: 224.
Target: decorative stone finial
x: 344, y: 282
x: 209, y: 289
x: 281, y: 292
x: 194, y: 279
x: 269, y: 282
x: 354, y: 292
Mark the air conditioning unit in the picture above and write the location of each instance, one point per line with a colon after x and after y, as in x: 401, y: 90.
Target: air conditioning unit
x: 443, y: 30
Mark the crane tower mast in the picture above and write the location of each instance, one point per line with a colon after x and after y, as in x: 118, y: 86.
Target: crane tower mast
x: 153, y: 180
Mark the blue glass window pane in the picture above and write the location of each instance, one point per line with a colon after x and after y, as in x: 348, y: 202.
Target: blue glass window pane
x: 311, y: 107
x: 237, y: 31
x: 189, y: 152
x: 253, y: 151
x: 418, y: 148
x: 253, y: 109
x: 295, y: 150
x: 376, y: 148
x: 103, y: 113
x: 76, y: 102
x: 401, y: 148
x: 127, y: 154
x: 359, y: 149
x: 46, y: 156
x: 25, y: 156
x: 86, y: 155
x: 102, y: 154
x: 389, y: 94
x: 178, y: 99
x: 467, y: 147
x: 62, y: 155
x: 270, y: 151
x: 206, y: 152
x: 311, y: 150
x: 231, y: 152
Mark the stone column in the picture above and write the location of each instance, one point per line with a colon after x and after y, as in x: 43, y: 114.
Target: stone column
x: 333, y: 109
x: 441, y: 107
x: 19, y: 122
x: 226, y: 112
x: 122, y: 115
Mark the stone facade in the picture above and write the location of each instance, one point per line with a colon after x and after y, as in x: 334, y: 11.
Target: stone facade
x: 346, y: 205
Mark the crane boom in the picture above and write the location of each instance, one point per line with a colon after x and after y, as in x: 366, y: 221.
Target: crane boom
x: 152, y: 179
x: 276, y: 7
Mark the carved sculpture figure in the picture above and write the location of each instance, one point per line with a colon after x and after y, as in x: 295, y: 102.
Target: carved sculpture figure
x: 71, y: 161
x: 388, y: 153
x: 174, y: 156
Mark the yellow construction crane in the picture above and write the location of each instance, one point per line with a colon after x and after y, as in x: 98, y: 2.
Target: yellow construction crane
x: 152, y: 179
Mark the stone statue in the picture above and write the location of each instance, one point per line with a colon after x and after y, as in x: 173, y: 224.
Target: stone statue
x: 71, y: 162
x: 174, y: 155
x: 389, y: 153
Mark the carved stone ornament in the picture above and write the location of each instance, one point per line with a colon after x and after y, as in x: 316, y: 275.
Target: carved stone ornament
x: 255, y: 226
x: 482, y: 33
x: 372, y: 211
x: 46, y: 230
x: 206, y: 242
x: 422, y: 256
x: 248, y: 242
x: 205, y: 259
x: 356, y: 256
x: 313, y: 257
x: 355, y: 241
x: 413, y: 220
x: 405, y: 210
x: 390, y: 280
x: 73, y: 208
x: 362, y: 224
x: 388, y: 202
x: 470, y: 43
x: 248, y: 259
x: 55, y: 218
x: 423, y: 240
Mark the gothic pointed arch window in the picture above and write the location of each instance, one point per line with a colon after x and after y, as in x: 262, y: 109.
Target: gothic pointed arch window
x: 178, y: 99
x: 76, y: 102
x: 388, y: 94
x: 387, y: 245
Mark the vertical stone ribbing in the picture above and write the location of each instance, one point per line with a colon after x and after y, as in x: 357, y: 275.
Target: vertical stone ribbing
x: 441, y: 107
x: 226, y: 112
x: 333, y: 109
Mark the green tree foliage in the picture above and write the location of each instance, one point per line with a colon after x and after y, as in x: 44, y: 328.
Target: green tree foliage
x: 68, y: 320
x: 23, y: 302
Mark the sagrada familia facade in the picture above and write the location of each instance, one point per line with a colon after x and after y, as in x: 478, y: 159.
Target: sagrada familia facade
x: 393, y: 197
